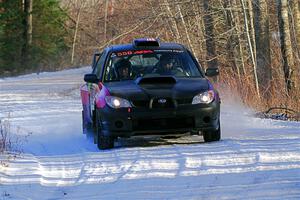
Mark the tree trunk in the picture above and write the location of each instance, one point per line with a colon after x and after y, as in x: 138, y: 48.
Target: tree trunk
x: 165, y: 20
x: 185, y: 28
x: 296, y: 14
x: 262, y: 40
x: 76, y: 31
x: 232, y: 40
x: 250, y: 49
x: 236, y: 17
x: 105, y: 20
x: 28, y: 11
x: 173, y: 21
x: 252, y: 29
x: 212, y: 61
x: 200, y: 34
x: 27, y: 36
x: 290, y: 71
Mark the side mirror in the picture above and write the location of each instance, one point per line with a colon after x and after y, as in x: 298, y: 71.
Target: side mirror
x: 212, y: 72
x: 91, y: 78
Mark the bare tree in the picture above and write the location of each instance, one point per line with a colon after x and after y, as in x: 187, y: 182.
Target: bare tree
x: 185, y: 28
x: 212, y: 61
x: 262, y: 40
x: 238, y: 34
x: 251, y: 26
x: 105, y: 20
x: 250, y: 48
x: 76, y: 29
x: 237, y: 20
x: 232, y: 39
x: 199, y: 29
x: 290, y: 70
x: 296, y: 16
x: 173, y: 21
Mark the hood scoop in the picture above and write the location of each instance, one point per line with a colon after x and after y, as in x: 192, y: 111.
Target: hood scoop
x: 165, y: 80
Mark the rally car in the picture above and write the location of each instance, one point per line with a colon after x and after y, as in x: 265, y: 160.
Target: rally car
x: 148, y: 87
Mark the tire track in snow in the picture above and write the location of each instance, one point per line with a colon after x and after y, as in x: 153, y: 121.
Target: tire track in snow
x: 257, y: 159
x: 69, y: 170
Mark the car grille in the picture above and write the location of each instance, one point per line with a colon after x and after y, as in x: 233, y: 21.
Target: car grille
x: 159, y: 103
x: 163, y: 123
x: 184, y: 101
x: 141, y: 104
x: 162, y: 103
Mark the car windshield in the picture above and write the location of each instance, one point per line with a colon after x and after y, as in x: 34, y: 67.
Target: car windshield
x: 129, y: 65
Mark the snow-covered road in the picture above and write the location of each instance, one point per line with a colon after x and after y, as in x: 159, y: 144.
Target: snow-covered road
x: 256, y: 159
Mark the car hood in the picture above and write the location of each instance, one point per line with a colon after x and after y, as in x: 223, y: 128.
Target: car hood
x: 181, y: 88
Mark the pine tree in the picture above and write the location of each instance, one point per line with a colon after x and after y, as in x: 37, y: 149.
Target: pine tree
x: 47, y: 40
x: 11, y: 30
x: 48, y: 31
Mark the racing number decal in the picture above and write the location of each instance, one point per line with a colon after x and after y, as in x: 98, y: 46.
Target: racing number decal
x: 124, y: 53
x: 127, y: 53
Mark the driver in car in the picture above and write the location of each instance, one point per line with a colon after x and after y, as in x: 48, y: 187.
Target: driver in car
x: 166, y: 66
x: 123, y: 69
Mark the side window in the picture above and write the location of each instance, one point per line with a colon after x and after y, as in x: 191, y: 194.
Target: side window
x: 100, y: 64
x: 96, y: 59
x: 109, y: 73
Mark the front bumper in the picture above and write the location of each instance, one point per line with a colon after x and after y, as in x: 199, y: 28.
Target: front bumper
x: 126, y: 122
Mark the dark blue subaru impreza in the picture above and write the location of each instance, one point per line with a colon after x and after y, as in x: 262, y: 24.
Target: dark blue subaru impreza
x: 148, y: 87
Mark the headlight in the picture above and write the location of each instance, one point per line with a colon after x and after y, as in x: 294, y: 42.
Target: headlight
x: 205, y: 97
x: 116, y: 102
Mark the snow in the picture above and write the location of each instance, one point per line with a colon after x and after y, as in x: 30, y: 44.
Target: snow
x: 256, y: 158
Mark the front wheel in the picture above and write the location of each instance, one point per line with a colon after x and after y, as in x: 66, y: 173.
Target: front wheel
x: 103, y: 141
x: 211, y: 136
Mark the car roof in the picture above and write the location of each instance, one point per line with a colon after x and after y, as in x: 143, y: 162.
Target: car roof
x: 166, y: 46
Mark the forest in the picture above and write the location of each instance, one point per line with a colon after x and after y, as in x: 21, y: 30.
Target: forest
x: 254, y: 43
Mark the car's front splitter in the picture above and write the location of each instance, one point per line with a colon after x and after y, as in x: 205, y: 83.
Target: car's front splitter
x: 126, y: 122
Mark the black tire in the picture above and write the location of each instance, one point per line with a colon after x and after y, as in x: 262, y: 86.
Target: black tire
x: 212, y: 136
x: 194, y: 132
x: 105, y: 142
x: 102, y: 141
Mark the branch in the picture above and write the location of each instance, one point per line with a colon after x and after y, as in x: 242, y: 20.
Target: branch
x: 117, y: 37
